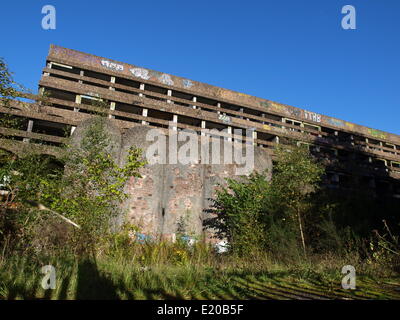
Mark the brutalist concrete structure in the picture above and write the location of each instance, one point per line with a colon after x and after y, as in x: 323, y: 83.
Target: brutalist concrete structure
x: 140, y: 98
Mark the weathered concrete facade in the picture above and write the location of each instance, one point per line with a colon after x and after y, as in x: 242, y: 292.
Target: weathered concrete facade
x: 138, y: 97
x: 168, y: 194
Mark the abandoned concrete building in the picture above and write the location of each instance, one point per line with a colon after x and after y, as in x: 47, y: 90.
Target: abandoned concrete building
x: 140, y: 98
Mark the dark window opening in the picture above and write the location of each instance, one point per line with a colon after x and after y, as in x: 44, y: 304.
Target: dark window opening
x: 97, y: 75
x: 160, y: 114
x: 128, y: 108
x: 189, y: 121
x: 50, y: 128
x: 182, y: 95
x: 127, y: 82
x: 207, y: 101
x: 60, y: 94
x: 149, y: 87
x: 230, y: 106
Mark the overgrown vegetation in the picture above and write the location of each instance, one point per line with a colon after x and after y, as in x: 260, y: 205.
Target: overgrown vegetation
x: 288, y: 238
x: 80, y: 203
x: 295, y: 221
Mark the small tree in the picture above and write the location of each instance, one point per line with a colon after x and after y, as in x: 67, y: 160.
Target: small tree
x: 295, y: 178
x: 88, y: 192
x: 238, y: 213
x: 254, y: 213
x: 92, y: 188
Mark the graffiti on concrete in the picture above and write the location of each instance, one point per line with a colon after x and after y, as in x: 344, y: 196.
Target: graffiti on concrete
x: 294, y: 112
x: 276, y: 107
x: 224, y: 118
x: 140, y: 73
x: 166, y: 79
x: 336, y: 122
x: 187, y: 83
x: 143, y: 238
x: 244, y: 95
x: 350, y: 125
x: 273, y: 106
x: 312, y: 116
x: 267, y: 127
x: 377, y: 133
x: 112, y: 65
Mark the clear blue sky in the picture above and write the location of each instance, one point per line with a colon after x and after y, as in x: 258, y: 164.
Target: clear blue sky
x: 291, y: 51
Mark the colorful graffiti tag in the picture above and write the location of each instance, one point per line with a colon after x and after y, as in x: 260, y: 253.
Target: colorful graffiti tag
x: 276, y: 107
x: 350, y: 125
x: 267, y: 127
x: 336, y: 122
x: 377, y: 133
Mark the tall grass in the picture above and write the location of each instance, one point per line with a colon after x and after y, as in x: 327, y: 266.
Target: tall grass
x: 175, y: 271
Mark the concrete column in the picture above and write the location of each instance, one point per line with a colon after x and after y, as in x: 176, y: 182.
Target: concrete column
x: 112, y: 81
x: 29, y: 129
x: 194, y: 100
x: 169, y: 93
x: 230, y: 133
x: 78, y: 99
x: 203, y: 126
x: 141, y: 88
x: 241, y: 111
x: 112, y: 107
x: 219, y: 106
x: 144, y: 114
x: 81, y: 73
x: 175, y: 120
x: 277, y: 139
